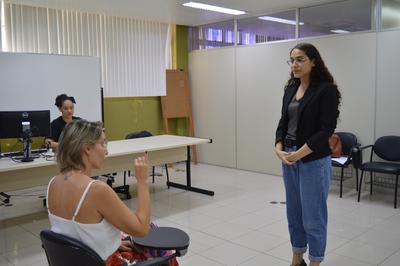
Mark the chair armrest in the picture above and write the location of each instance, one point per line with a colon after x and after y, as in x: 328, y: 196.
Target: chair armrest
x: 365, y: 147
x: 357, y: 156
x: 166, y: 238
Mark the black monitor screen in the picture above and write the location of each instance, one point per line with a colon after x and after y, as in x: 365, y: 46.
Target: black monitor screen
x: 11, y: 123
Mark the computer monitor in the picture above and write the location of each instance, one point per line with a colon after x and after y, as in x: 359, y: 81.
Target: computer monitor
x: 11, y: 123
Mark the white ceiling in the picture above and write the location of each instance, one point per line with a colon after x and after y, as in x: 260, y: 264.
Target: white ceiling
x: 172, y: 11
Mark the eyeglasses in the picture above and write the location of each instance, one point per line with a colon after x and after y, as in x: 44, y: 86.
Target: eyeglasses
x: 104, y: 143
x: 297, y: 60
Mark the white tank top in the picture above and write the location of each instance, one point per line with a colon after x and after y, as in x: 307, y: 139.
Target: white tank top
x: 102, y: 237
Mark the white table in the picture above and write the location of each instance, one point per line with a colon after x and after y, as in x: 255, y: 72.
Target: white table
x: 161, y: 149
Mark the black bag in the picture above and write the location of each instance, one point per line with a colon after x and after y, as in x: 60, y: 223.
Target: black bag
x: 138, y: 134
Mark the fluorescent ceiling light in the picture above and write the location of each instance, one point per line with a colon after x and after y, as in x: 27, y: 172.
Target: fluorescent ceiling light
x: 340, y: 31
x: 280, y: 20
x: 214, y: 8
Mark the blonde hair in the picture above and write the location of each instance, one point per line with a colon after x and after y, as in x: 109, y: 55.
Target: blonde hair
x: 72, y: 141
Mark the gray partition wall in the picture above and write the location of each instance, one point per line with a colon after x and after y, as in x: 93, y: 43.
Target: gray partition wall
x: 388, y: 89
x: 212, y: 81
x: 259, y: 73
x: 351, y: 58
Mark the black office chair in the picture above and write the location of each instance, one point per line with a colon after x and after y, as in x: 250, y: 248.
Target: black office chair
x: 144, y: 134
x: 124, y: 189
x: 386, y: 148
x: 349, y: 141
x: 62, y: 250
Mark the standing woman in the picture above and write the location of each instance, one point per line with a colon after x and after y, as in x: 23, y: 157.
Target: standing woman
x: 309, y: 117
x: 65, y: 105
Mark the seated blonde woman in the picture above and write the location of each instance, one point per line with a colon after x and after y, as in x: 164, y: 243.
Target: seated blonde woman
x: 87, y: 209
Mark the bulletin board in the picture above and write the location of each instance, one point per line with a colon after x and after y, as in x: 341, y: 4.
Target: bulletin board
x: 176, y: 103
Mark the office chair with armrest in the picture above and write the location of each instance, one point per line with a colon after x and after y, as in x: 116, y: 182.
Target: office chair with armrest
x: 386, y: 148
x: 349, y: 141
x: 62, y: 250
x: 144, y: 134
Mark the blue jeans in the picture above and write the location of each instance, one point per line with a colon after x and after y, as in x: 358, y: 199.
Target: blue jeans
x: 307, y: 187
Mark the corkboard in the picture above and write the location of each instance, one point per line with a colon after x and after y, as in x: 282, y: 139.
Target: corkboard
x: 176, y: 104
x: 177, y: 101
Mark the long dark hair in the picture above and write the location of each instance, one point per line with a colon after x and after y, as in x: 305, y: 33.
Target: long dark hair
x: 319, y: 73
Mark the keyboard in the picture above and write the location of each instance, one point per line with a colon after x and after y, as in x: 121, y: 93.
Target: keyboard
x: 20, y: 153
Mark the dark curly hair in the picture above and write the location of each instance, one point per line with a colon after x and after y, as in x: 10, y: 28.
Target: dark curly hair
x: 319, y: 73
x: 61, y: 98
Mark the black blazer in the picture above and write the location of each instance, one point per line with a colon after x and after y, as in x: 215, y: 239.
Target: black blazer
x: 318, y: 113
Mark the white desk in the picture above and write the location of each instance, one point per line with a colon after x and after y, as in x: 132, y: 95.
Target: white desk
x: 161, y: 149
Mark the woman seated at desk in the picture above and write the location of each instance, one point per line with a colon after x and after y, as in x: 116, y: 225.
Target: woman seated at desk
x: 87, y: 209
x: 65, y: 105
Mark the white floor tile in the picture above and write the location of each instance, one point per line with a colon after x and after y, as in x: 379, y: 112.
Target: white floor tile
x: 252, y: 221
x: 264, y: 260
x: 226, y: 231
x: 230, y: 254
x: 393, y: 260
x: 4, y: 261
x: 364, y: 252
x: 389, y: 240
x: 334, y: 242
x: 332, y: 259
x: 197, y: 260
x: 345, y: 230
x: 259, y: 241
x: 279, y: 228
x: 193, y: 220
x: 27, y: 256
x: 283, y: 252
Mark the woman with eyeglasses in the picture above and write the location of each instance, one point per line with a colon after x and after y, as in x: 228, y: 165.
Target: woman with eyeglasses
x: 309, y: 116
x: 89, y: 210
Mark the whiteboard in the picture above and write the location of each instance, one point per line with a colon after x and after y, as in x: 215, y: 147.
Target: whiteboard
x: 32, y: 82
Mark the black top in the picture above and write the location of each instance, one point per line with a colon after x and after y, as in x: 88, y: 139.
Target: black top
x: 293, y: 115
x: 57, y: 126
x: 317, y: 118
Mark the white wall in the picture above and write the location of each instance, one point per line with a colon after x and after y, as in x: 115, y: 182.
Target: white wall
x: 259, y: 73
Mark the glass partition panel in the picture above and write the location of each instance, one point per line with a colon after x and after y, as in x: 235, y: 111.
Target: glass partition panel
x: 390, y: 14
x: 338, y: 17
x: 273, y: 27
x: 212, y: 35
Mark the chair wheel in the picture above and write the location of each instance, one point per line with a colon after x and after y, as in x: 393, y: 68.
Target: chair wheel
x: 6, y: 201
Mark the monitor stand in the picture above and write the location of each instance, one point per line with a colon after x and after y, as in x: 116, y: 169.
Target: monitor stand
x: 27, y: 150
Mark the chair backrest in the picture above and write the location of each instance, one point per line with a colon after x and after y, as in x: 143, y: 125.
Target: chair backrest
x: 349, y: 140
x: 388, y: 148
x: 62, y: 250
x: 138, y: 134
